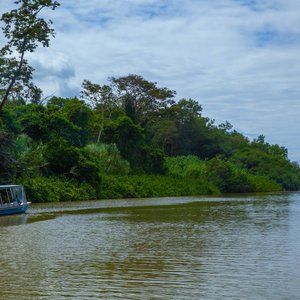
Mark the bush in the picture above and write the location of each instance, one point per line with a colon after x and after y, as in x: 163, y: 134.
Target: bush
x: 108, y: 159
x: 264, y: 184
x: 224, y: 175
x: 184, y: 166
x: 53, y: 189
x: 270, y: 163
x: 153, y: 186
x: 231, y: 179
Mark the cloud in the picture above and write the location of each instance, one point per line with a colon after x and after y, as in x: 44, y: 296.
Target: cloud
x: 239, y: 58
x: 54, y: 72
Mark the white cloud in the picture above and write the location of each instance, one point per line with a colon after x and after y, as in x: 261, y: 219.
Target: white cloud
x: 54, y: 72
x: 240, y: 60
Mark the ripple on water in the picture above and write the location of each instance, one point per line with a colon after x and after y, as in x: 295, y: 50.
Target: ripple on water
x: 235, y: 249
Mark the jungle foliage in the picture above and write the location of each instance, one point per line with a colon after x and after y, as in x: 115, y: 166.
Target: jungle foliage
x: 72, y: 149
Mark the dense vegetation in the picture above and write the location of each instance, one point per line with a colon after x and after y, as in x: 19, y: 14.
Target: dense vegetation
x: 130, y: 138
x: 126, y: 138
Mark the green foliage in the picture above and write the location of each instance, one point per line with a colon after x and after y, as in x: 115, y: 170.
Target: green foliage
x: 141, y: 98
x: 185, y: 166
x: 108, y: 159
x: 169, y: 149
x: 227, y: 177
x: 7, y: 160
x: 51, y: 122
x: 273, y: 150
x: 152, y: 186
x: 10, y: 121
x: 128, y: 137
x: 151, y: 159
x: 230, y: 178
x: 220, y: 173
x: 165, y: 133
x: 30, y: 156
x: 24, y: 30
x: 53, y: 189
x: 180, y: 129
x: 267, y: 163
x: 86, y: 171
x: 61, y: 157
x: 33, y: 121
x: 75, y: 113
x: 58, y: 126
x: 263, y: 184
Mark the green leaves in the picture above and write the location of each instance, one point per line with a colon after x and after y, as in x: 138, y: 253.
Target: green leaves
x: 223, y: 175
x: 262, y: 161
x: 108, y: 159
x: 7, y: 161
x: 141, y: 98
x: 24, y: 31
x: 130, y: 139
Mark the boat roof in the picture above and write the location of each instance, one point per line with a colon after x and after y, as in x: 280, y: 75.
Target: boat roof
x: 11, y: 186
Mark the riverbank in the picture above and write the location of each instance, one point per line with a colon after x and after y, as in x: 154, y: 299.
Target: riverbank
x: 53, y: 189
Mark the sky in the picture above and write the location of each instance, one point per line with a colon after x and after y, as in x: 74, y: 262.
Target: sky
x: 239, y: 58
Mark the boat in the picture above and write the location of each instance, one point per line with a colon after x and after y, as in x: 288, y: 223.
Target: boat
x: 12, y: 200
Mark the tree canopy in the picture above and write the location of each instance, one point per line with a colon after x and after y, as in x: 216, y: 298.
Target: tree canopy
x: 24, y: 30
x: 60, y: 139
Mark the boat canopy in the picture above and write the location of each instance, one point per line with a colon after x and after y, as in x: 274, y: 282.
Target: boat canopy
x: 12, y: 193
x: 10, y: 186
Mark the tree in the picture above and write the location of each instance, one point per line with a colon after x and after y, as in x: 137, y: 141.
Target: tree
x: 126, y: 135
x: 76, y: 112
x: 166, y: 134
x: 24, y: 31
x: 102, y: 99
x: 47, y: 123
x: 180, y: 129
x: 141, y: 98
x: 7, y: 160
x: 275, y: 150
x: 61, y: 157
x: 22, y: 87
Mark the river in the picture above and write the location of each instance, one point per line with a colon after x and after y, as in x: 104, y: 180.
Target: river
x: 233, y: 247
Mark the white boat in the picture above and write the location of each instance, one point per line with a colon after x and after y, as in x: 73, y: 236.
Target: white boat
x: 12, y: 200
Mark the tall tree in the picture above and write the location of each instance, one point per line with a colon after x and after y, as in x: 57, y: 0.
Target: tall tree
x: 102, y: 99
x: 141, y: 98
x: 180, y: 129
x: 24, y: 31
x: 7, y: 160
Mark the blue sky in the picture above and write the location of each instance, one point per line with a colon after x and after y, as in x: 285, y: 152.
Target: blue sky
x: 239, y: 58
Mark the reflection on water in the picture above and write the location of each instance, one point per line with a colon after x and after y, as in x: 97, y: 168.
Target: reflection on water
x: 181, y: 248
x: 13, y: 220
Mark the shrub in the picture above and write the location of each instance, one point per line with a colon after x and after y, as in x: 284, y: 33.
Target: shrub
x: 53, y: 189
x: 189, y: 165
x: 153, y: 186
x: 108, y: 159
x: 264, y: 184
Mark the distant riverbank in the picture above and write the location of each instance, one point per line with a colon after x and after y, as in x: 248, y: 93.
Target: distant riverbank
x: 53, y: 189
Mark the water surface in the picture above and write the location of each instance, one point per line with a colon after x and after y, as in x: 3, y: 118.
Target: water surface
x: 236, y: 247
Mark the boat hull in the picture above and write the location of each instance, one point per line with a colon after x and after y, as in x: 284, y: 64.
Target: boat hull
x: 12, y: 210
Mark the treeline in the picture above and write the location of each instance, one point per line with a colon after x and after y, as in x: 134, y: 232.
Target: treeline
x: 130, y: 138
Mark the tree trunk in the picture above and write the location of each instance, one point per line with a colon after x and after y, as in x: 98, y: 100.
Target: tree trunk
x: 13, y: 80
